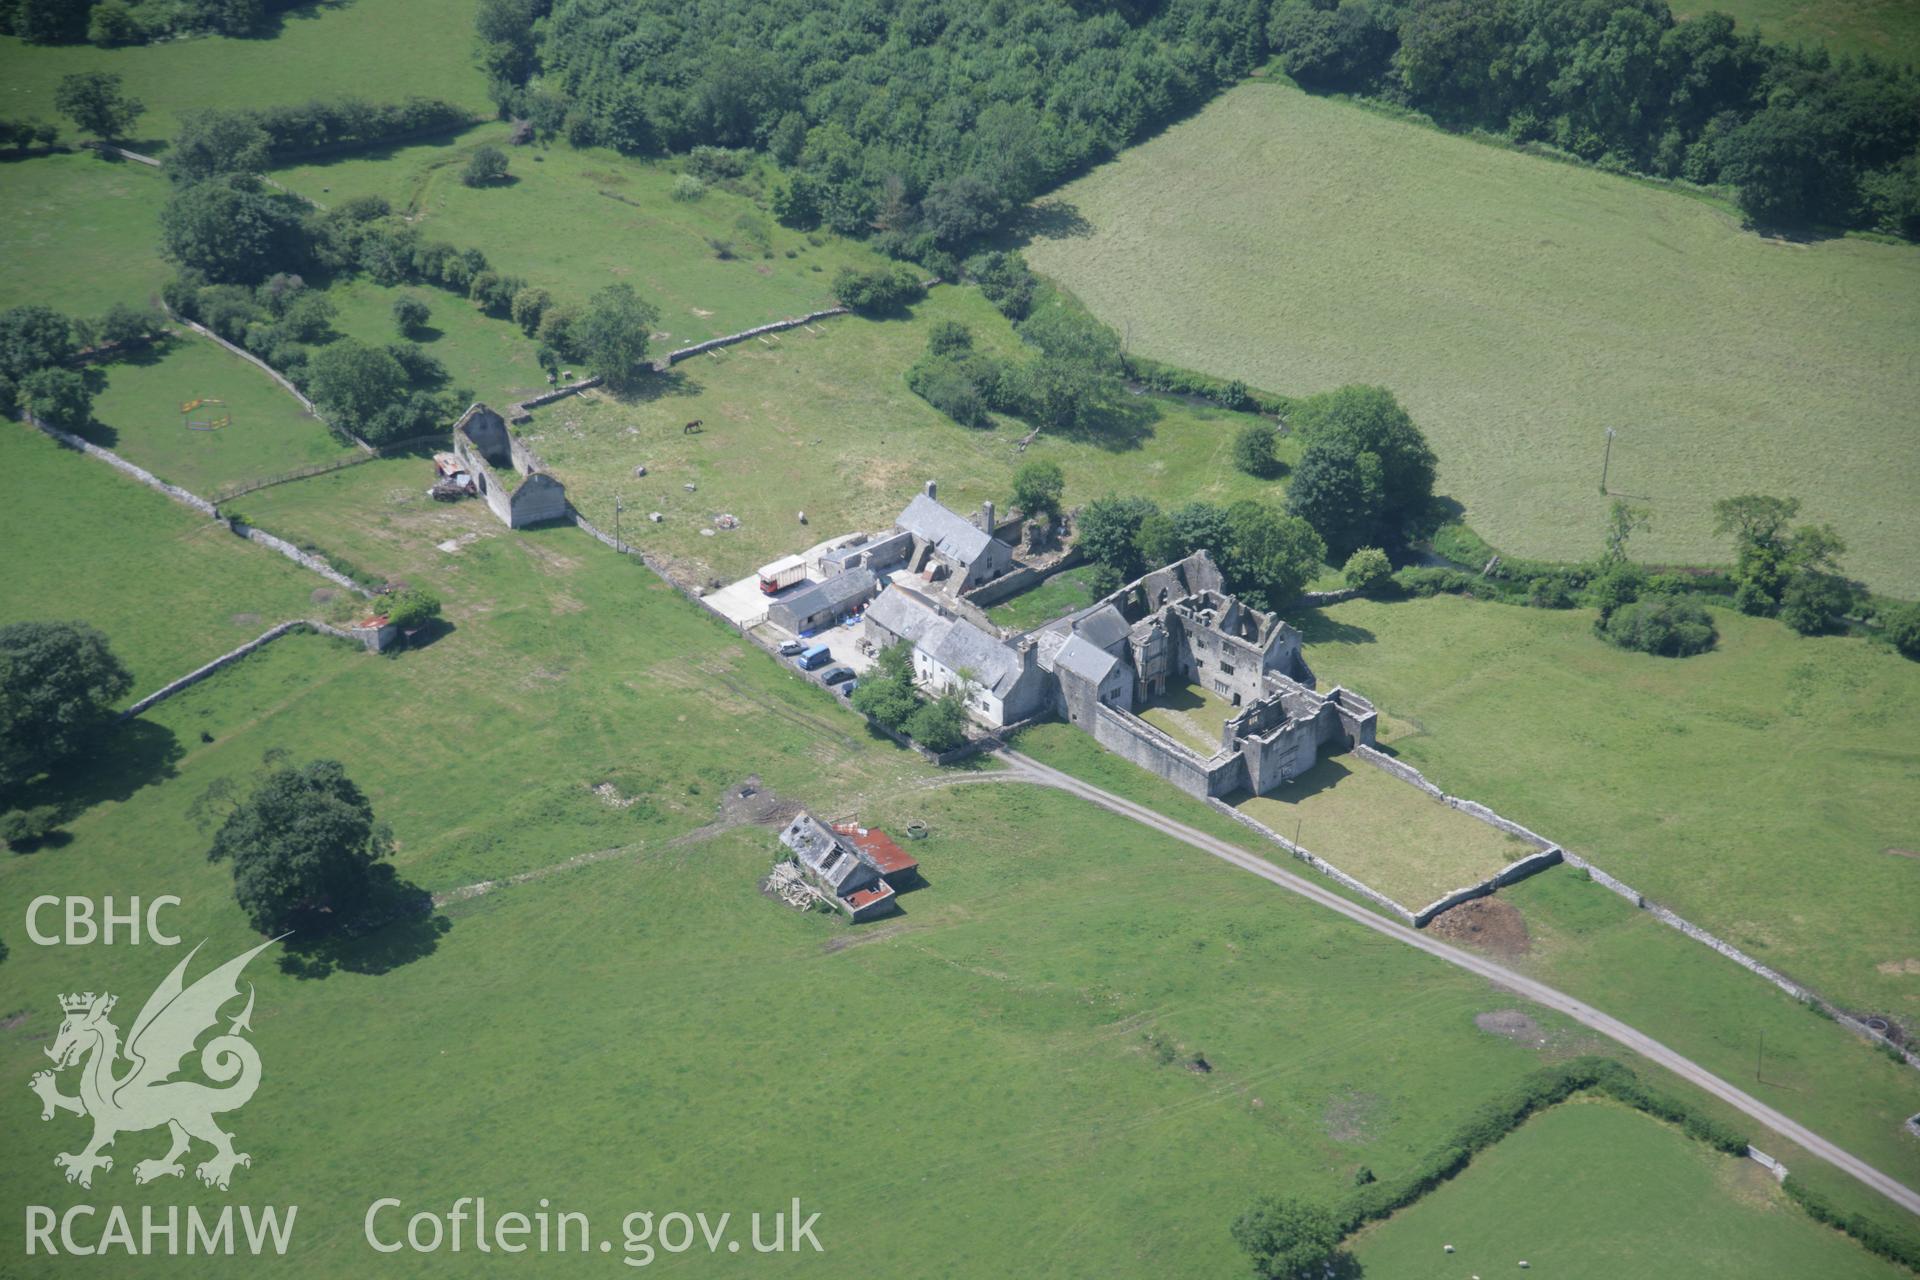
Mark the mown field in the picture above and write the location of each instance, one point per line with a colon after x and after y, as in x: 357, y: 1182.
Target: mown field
x: 80, y: 233
x: 575, y: 221
x: 1639, y: 1190
x: 379, y: 50
x: 1887, y: 29
x: 1390, y: 835
x: 169, y: 587
x: 138, y: 415
x: 1519, y: 308
x: 1761, y: 790
x: 821, y: 421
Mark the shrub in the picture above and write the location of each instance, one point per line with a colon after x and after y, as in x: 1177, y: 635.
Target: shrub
x: 940, y: 725
x: 687, y: 187
x: 1903, y: 629
x: 1254, y: 449
x: 113, y: 23
x: 1367, y: 569
x: 410, y: 315
x: 528, y: 306
x: 879, y: 291
x: 1425, y: 580
x: 1665, y: 625
x: 949, y: 337
x: 1815, y: 602
x: 411, y: 608
x: 1549, y: 592
x: 24, y: 828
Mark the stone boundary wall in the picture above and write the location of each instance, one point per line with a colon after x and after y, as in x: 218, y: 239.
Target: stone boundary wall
x: 1667, y: 917
x: 1313, y: 860
x: 714, y: 344
x: 1316, y: 598
x: 1767, y: 1162
x: 517, y: 414
x: 1517, y: 870
x: 1023, y: 578
x: 232, y: 656
x: 123, y: 153
x: 198, y: 503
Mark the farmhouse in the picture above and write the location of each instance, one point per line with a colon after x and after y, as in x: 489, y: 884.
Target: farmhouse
x: 950, y: 550
x: 504, y: 471
x: 836, y: 866
x: 1001, y: 683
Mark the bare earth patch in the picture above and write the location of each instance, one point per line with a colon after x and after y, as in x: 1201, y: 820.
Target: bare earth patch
x: 1348, y: 1116
x: 1511, y: 1024
x: 1491, y: 924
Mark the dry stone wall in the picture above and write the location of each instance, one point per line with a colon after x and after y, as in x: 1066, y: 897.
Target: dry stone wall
x: 232, y: 656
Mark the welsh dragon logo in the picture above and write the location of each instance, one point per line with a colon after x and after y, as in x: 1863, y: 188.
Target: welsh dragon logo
x: 144, y: 1095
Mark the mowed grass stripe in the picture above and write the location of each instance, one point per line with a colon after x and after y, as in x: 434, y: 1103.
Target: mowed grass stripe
x: 1520, y: 308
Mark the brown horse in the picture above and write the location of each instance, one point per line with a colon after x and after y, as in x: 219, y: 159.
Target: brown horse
x: 692, y: 428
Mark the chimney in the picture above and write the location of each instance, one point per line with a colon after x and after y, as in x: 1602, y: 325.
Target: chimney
x: 933, y: 489
x: 986, y: 517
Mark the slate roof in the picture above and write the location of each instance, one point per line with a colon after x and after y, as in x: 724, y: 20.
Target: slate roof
x: 825, y: 854
x: 830, y: 595
x: 1105, y: 627
x: 1084, y: 659
x: 904, y: 613
x: 951, y: 535
x: 963, y: 646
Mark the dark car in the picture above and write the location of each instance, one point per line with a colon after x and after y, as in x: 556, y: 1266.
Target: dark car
x: 846, y: 690
x: 790, y: 647
x: 835, y: 675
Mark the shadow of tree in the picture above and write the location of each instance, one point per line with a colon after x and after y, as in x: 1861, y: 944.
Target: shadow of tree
x: 1053, y: 219
x: 657, y: 386
x: 1317, y: 628
x: 398, y: 927
x: 122, y: 758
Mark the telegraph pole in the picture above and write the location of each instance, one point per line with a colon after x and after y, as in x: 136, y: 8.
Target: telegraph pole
x: 1606, y: 461
x: 618, y: 506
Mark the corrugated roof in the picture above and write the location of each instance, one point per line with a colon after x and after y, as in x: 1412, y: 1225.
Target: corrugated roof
x: 952, y: 535
x: 830, y: 595
x: 879, y: 847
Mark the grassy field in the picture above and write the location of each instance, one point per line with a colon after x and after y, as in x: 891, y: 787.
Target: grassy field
x: 1392, y: 836
x: 170, y: 588
x: 79, y: 233
x: 1887, y: 29
x: 380, y: 50
x: 822, y: 422
x: 1639, y: 1190
x: 492, y: 357
x: 1057, y: 596
x: 138, y: 416
x: 575, y: 221
x: 1520, y: 308
x: 1002, y: 1038
x: 1591, y: 943
x: 1760, y: 790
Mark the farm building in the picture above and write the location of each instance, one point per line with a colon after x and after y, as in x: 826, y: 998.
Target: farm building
x: 896, y: 866
x: 837, y: 867
x: 505, y: 472
x: 1002, y: 683
x: 949, y: 549
x: 819, y: 604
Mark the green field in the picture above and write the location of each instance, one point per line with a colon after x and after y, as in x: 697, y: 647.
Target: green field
x: 79, y: 233
x: 170, y: 588
x: 139, y: 417
x: 1636, y: 1190
x: 491, y: 357
x: 1761, y: 790
x: 1391, y: 836
x: 822, y: 422
x: 1056, y: 597
x: 379, y: 50
x: 1887, y: 29
x: 1519, y: 308
x: 575, y: 221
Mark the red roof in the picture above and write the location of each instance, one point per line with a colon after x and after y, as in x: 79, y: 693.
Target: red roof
x: 862, y: 898
x: 879, y: 846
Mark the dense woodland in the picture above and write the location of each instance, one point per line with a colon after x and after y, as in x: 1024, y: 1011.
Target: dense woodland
x: 926, y: 123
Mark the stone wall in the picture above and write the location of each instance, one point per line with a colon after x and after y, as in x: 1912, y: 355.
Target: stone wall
x: 299, y: 557
x: 1135, y: 740
x: 714, y: 344
x: 285, y: 384
x: 232, y: 656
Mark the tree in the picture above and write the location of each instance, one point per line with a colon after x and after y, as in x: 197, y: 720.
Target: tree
x: 886, y: 690
x: 58, y: 397
x: 1273, y: 556
x: 48, y: 21
x: 1288, y: 1239
x: 231, y: 231
x: 1255, y: 449
x: 1202, y: 526
x: 1623, y: 521
x: 1903, y: 629
x: 410, y: 315
x: 92, y: 100
x: 487, y: 166
x: 528, y: 306
x: 112, y: 23
x: 1337, y: 489
x: 1366, y: 569
x: 58, y: 683
x: 939, y: 725
x: 1037, y: 487
x: 124, y: 325
x: 355, y: 384
x: 1365, y: 431
x: 214, y: 141
x: 1669, y: 626
x: 34, y: 337
x: 1815, y: 601
x: 879, y: 291
x: 304, y: 847
x: 1106, y: 531
x: 1157, y: 541
x: 612, y: 335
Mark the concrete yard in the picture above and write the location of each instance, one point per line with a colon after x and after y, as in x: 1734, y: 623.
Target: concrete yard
x: 1383, y: 831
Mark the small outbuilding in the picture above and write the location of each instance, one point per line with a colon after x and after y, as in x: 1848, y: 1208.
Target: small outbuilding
x: 837, y: 868
x: 821, y: 604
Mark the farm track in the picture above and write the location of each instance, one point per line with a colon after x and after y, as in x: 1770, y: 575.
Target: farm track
x: 1026, y: 769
